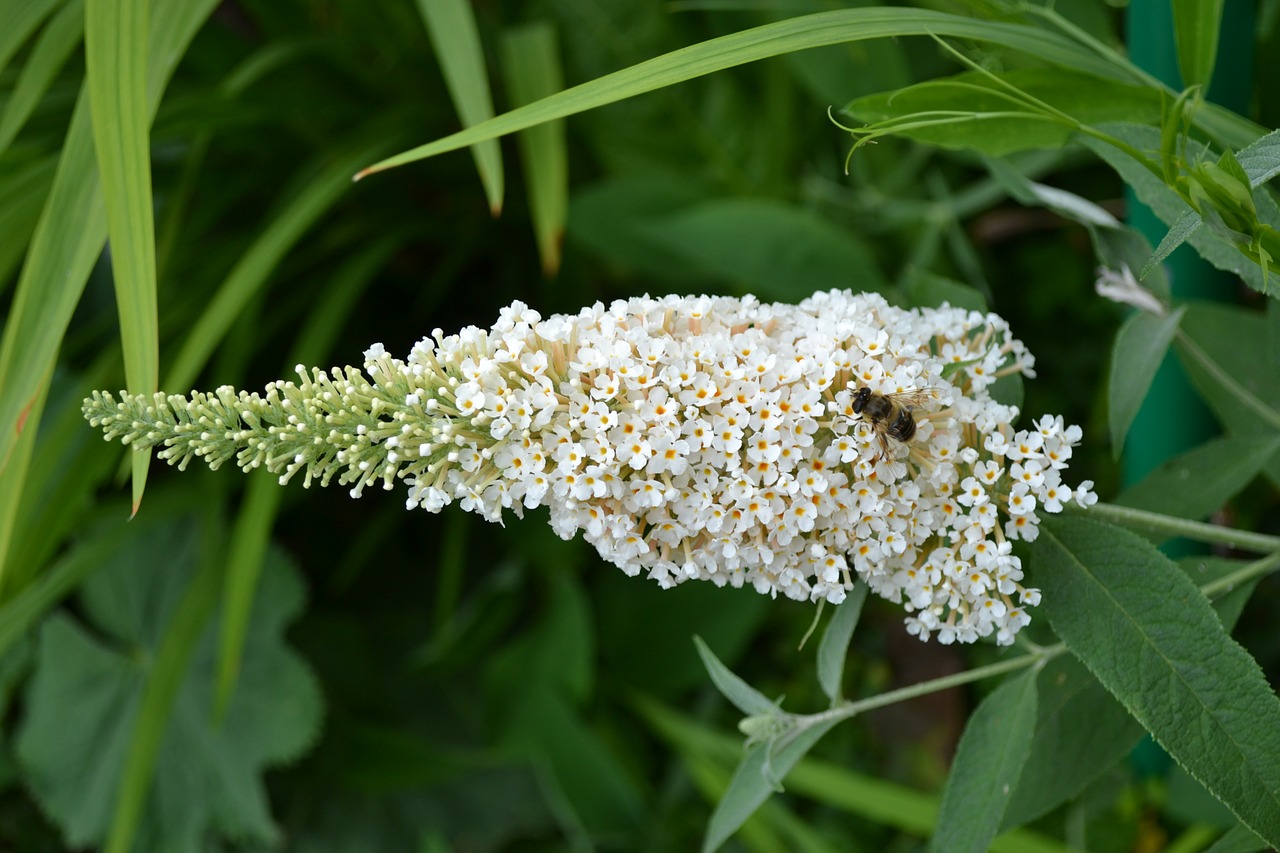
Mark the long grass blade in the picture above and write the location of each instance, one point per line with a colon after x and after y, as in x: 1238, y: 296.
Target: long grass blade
x: 116, y: 75
x: 531, y: 68
x: 802, y: 33
x: 18, y: 20
x: 48, y: 55
x: 456, y: 40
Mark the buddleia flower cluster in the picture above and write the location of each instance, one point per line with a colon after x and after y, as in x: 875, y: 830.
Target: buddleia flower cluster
x: 687, y: 438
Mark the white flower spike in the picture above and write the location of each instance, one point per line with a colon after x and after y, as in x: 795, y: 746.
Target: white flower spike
x: 788, y: 447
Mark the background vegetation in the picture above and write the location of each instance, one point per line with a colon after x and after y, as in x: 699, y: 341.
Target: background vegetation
x: 244, y: 665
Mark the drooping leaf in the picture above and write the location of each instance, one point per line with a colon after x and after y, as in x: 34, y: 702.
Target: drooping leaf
x: 835, y: 641
x: 1140, y: 346
x: 987, y: 766
x: 1149, y: 635
x: 745, y: 698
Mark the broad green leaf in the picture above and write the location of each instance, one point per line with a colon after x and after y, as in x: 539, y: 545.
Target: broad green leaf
x: 531, y: 66
x: 1197, y: 483
x: 1195, y: 25
x: 1239, y: 839
x: 986, y: 768
x: 1080, y: 732
x: 1152, y: 639
x: 70, y: 234
x: 115, y: 33
x: 18, y: 20
x: 757, y: 777
x: 1140, y: 346
x: 774, y: 250
x: 87, y: 696
x: 1001, y: 126
x: 1227, y: 356
x: 834, y: 645
x: 801, y: 33
x: 456, y: 40
x: 1170, y: 207
x: 745, y: 698
x: 330, y: 180
x: 48, y: 55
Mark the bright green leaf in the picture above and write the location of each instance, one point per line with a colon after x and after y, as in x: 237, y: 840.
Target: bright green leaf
x: 835, y: 641
x: 808, y: 31
x: 531, y: 66
x: 1196, y: 25
x: 1139, y: 348
x: 1152, y: 639
x: 986, y: 768
x: 456, y: 40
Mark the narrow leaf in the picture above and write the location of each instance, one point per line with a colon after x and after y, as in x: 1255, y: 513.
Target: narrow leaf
x: 1149, y: 635
x: 18, y: 20
x: 456, y: 40
x: 48, y: 55
x: 756, y: 778
x: 745, y: 698
x: 70, y: 235
x: 1197, y: 483
x: 801, y: 33
x: 116, y: 76
x: 1195, y: 26
x: 531, y: 66
x: 835, y: 641
x: 1140, y: 346
x: 987, y: 766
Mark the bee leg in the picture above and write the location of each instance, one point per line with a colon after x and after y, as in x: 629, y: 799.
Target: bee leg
x: 886, y: 449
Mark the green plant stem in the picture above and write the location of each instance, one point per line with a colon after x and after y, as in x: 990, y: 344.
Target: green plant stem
x: 848, y: 710
x: 1154, y: 522
x: 1258, y: 568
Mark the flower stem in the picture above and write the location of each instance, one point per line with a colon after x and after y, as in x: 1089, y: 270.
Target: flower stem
x: 1154, y: 522
x: 1258, y: 568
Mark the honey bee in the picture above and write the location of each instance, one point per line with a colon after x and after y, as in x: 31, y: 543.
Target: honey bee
x: 890, y: 414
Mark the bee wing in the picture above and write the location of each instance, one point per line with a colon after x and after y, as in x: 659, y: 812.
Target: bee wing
x: 914, y: 398
x: 887, y: 451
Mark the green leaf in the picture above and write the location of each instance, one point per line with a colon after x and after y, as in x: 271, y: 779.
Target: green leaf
x: 48, y: 55
x: 1080, y: 732
x: 835, y: 641
x: 456, y: 40
x: 115, y: 33
x: 1170, y: 207
x: 923, y: 289
x: 745, y: 698
x: 1239, y: 839
x: 755, y: 780
x: 85, y: 701
x: 18, y: 20
x: 774, y: 250
x: 988, y: 763
x: 1140, y: 346
x: 808, y: 31
x: 1152, y: 639
x: 1197, y: 483
x: 1195, y: 26
x: 1000, y: 126
x: 531, y: 66
x: 70, y: 235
